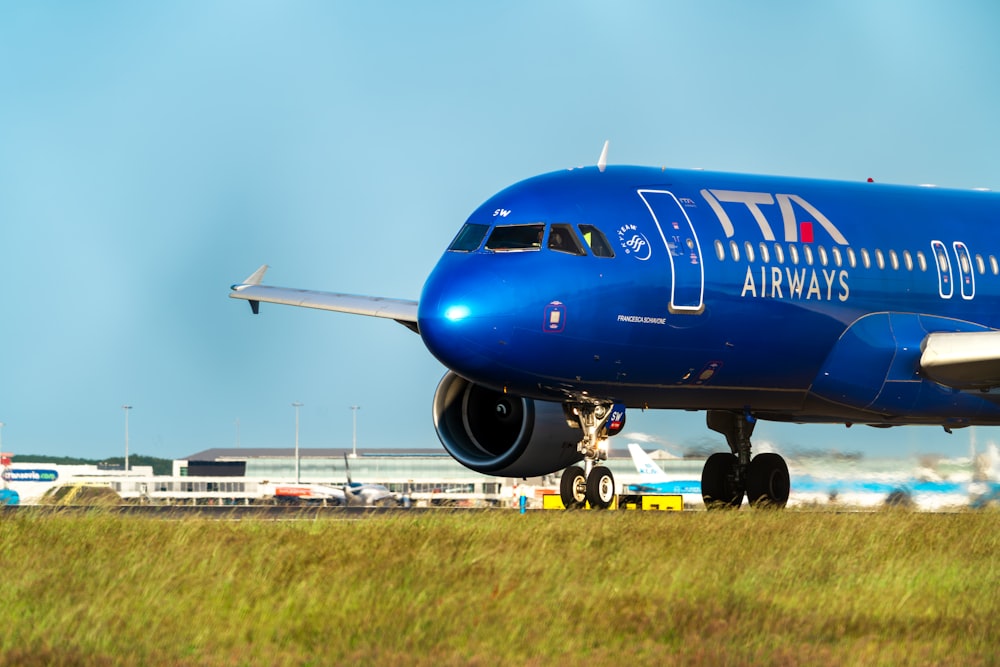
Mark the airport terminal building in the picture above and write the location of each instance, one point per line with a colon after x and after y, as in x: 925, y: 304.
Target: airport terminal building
x: 418, y: 473
x: 259, y: 475
x: 400, y: 470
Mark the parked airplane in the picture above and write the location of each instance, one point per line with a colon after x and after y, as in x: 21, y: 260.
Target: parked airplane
x: 309, y: 493
x: 655, y: 480
x: 570, y: 296
x: 367, y: 495
x: 352, y: 494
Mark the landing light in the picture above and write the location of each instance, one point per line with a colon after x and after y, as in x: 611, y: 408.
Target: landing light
x: 456, y: 313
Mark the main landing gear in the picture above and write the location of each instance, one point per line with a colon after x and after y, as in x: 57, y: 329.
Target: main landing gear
x: 592, y: 483
x: 728, y: 476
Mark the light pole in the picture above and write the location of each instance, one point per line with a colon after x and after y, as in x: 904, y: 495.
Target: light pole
x: 297, y: 405
x: 126, y: 408
x: 354, y: 436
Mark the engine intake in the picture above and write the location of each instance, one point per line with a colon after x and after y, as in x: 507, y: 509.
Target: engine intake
x: 495, y: 433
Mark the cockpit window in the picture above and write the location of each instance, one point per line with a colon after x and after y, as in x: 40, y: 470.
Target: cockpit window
x: 562, y: 238
x: 516, y: 237
x: 469, y: 237
x: 597, y: 241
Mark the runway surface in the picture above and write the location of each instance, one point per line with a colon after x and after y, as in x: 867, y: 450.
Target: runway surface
x: 230, y: 512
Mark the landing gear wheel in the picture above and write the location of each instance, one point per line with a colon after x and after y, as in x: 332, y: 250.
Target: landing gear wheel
x: 573, y: 487
x: 719, y: 486
x: 600, y: 488
x: 768, y: 483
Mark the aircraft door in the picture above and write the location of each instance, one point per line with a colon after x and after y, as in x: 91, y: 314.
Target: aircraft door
x: 687, y: 285
x: 968, y: 279
x: 946, y: 285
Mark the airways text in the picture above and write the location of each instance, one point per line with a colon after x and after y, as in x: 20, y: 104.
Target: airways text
x: 773, y: 283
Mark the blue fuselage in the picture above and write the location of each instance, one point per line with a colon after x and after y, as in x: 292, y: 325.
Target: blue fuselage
x: 794, y: 299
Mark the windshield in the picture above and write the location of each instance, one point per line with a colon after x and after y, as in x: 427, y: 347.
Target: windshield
x: 469, y: 237
x: 516, y: 237
x: 563, y: 239
x: 597, y: 241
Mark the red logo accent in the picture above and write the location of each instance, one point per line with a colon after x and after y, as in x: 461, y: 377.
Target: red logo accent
x: 806, y: 232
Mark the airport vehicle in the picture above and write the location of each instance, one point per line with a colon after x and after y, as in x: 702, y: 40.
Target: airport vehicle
x: 656, y: 481
x: 569, y: 297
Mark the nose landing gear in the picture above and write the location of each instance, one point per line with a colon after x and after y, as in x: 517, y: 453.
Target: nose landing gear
x: 592, y: 483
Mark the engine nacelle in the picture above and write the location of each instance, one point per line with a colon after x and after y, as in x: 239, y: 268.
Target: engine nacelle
x: 495, y: 433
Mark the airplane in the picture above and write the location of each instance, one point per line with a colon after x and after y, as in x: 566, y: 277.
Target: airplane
x: 747, y: 296
x: 655, y: 480
x: 309, y: 493
x: 357, y: 494
x: 351, y: 494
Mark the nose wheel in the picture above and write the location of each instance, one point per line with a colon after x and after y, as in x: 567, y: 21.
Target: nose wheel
x: 577, y: 488
x: 573, y: 488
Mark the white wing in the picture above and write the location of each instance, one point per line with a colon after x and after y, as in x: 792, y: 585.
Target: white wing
x: 251, y: 289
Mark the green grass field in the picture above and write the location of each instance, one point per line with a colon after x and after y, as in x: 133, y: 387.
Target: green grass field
x: 499, y: 588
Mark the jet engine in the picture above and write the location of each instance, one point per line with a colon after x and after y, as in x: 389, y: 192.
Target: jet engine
x: 495, y: 433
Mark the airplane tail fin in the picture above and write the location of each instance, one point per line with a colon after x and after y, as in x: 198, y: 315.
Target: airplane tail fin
x: 347, y: 467
x: 648, y: 470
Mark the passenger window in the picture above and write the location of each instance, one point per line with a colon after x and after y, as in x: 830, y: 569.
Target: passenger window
x: 735, y: 250
x: 943, y: 262
x: 748, y: 247
x: 852, y: 258
x: 720, y: 250
x: 822, y: 255
x: 469, y: 237
x: 908, y: 260
x: 793, y: 253
x: 597, y: 241
x: 807, y: 251
x: 993, y: 265
x: 837, y: 259
x: 516, y: 237
x: 893, y: 260
x: 866, y: 261
x: 779, y: 254
x: 980, y: 264
x: 764, y: 256
x: 921, y: 261
x: 562, y: 239
x: 879, y: 259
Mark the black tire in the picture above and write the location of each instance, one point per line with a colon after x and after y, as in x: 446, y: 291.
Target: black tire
x: 768, y: 483
x: 719, y: 488
x: 600, y: 488
x: 572, y: 488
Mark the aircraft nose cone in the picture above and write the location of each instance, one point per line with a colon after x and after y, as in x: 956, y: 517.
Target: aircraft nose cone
x: 464, y: 319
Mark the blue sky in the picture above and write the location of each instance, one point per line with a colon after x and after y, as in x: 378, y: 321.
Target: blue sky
x: 152, y: 154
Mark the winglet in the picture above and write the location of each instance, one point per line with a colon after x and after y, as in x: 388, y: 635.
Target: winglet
x: 602, y: 162
x: 257, y: 276
x: 254, y: 278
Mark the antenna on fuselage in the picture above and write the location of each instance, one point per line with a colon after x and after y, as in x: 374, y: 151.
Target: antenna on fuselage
x: 602, y: 162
